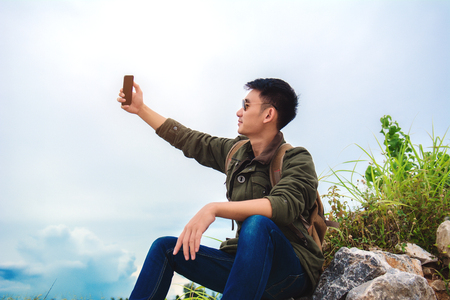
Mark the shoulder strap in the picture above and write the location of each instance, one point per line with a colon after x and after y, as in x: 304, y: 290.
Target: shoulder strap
x: 232, y: 151
x: 277, y: 164
x: 314, y: 227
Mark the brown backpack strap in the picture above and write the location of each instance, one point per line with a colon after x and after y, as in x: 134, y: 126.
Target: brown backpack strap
x: 332, y: 224
x: 321, y: 213
x: 317, y: 225
x: 277, y: 164
x: 299, y: 234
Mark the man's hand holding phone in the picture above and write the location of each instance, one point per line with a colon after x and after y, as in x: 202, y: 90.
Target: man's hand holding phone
x: 131, y: 101
x: 138, y: 107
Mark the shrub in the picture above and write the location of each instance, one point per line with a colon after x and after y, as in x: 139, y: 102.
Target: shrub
x: 403, y: 199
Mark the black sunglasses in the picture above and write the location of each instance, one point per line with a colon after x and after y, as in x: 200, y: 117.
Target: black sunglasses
x: 244, y: 105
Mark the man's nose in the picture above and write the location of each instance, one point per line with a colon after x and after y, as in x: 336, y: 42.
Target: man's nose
x: 239, y: 112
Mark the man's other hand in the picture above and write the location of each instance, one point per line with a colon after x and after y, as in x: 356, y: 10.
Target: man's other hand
x: 192, y: 233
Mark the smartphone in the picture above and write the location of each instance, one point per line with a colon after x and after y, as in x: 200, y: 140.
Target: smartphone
x: 128, y: 88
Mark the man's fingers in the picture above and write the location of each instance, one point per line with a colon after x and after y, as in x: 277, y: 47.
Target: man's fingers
x: 178, y: 244
x: 186, y: 246
x: 190, y: 243
x: 192, y: 248
x: 177, y: 248
x: 198, y: 239
x: 137, y: 87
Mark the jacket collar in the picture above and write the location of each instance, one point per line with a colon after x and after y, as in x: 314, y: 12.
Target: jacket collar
x: 266, y: 156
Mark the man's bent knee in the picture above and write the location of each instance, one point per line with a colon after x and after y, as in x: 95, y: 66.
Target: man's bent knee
x: 164, y: 243
x: 256, y: 220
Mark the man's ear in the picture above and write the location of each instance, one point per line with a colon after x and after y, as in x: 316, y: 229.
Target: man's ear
x: 270, y: 115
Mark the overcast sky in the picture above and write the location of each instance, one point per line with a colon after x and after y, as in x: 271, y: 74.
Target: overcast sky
x: 86, y: 187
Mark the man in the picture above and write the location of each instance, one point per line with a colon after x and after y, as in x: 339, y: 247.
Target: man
x: 266, y: 260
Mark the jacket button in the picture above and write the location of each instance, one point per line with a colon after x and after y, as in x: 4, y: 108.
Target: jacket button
x: 241, y: 179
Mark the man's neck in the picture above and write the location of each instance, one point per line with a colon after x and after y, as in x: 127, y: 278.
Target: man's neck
x: 259, y: 143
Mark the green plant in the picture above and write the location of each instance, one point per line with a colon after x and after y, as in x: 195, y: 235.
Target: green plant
x: 402, y: 199
x: 193, y: 292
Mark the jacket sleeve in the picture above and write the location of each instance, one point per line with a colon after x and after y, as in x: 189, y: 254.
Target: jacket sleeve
x: 209, y: 151
x: 295, y: 193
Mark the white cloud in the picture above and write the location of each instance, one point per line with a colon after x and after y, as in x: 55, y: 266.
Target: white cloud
x: 76, y: 258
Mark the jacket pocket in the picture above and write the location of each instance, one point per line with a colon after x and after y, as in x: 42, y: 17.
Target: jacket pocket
x: 260, y: 186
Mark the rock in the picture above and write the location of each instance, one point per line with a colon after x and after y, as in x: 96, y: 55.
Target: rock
x: 438, y: 285
x: 417, y: 252
x: 427, y: 271
x: 446, y: 261
x: 349, y: 269
x: 443, y: 239
x: 402, y: 262
x: 394, y: 284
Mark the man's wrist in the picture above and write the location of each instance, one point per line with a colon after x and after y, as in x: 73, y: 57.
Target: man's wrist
x: 213, y: 208
x: 152, y: 118
x: 143, y: 111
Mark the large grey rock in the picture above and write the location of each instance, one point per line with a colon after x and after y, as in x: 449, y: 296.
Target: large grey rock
x: 394, y: 284
x: 443, y: 239
x: 401, y: 262
x: 349, y: 269
x: 417, y: 252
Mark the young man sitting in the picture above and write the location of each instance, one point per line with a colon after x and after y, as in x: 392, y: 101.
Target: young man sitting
x: 266, y: 260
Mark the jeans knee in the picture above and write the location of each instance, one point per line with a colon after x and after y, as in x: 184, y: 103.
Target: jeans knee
x: 163, y: 244
x: 256, y: 222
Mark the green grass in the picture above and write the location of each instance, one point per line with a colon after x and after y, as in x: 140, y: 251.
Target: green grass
x: 402, y: 199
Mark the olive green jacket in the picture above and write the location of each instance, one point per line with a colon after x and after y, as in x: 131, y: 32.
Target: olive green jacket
x: 248, y: 178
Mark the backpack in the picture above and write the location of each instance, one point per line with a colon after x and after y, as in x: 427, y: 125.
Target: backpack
x: 316, y: 225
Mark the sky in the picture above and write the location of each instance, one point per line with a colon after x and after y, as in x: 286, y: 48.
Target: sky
x: 86, y: 187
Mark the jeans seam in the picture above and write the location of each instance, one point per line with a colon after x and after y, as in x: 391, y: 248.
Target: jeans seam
x: 163, y: 269
x: 265, y: 262
x: 161, y: 275
x: 297, y: 276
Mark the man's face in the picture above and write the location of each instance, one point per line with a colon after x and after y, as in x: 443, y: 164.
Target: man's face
x: 251, y: 119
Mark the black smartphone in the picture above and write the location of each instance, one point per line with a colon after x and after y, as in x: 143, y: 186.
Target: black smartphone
x: 128, y: 88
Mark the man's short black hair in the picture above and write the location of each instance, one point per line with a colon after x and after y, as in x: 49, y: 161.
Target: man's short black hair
x: 279, y: 94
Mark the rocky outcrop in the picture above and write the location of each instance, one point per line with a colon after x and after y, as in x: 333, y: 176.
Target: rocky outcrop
x: 356, y: 274
x: 350, y: 268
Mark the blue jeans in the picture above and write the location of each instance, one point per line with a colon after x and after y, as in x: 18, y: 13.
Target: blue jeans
x: 264, y: 267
